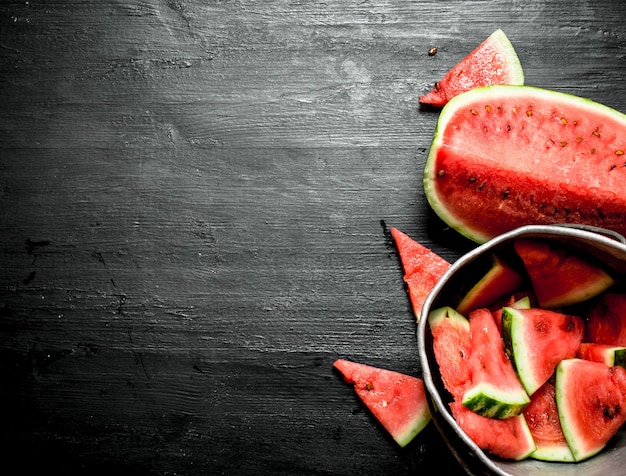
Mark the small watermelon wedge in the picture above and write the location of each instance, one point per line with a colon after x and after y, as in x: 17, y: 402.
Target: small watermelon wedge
x: 451, y: 346
x: 422, y: 268
x: 509, y: 438
x: 500, y: 280
x: 542, y: 417
x: 610, y: 355
x: 492, y: 62
x: 495, y: 390
x: 398, y: 401
x: 591, y: 402
x: 606, y: 320
x: 560, y: 278
x: 537, y: 340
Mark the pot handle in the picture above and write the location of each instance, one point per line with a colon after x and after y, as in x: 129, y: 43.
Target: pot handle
x: 596, y: 229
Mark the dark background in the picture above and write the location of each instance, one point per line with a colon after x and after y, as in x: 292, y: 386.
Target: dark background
x: 191, y: 198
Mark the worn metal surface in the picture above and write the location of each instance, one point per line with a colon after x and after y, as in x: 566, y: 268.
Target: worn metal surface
x: 191, y: 197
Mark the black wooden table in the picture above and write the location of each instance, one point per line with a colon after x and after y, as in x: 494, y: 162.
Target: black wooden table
x: 193, y: 201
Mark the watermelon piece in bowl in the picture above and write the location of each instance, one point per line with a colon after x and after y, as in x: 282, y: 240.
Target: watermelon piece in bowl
x: 476, y: 460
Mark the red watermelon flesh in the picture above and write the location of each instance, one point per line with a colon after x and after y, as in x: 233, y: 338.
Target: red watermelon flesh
x: 606, y: 320
x: 398, y: 401
x: 537, y: 340
x: 508, y: 438
x: 422, y: 268
x: 508, y: 156
x: 591, y: 401
x: 608, y: 354
x: 494, y: 61
x: 451, y: 346
x: 558, y: 277
x: 542, y: 418
x: 500, y: 279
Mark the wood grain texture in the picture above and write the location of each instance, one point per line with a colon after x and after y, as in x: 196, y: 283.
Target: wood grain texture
x: 191, y: 197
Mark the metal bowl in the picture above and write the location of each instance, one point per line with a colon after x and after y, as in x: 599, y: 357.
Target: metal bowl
x: 606, y: 246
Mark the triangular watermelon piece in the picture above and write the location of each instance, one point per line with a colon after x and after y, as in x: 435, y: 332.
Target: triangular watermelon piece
x: 398, y: 401
x: 493, y: 62
x: 422, y: 268
x: 537, y: 340
x: 542, y: 418
x: 610, y: 355
x: 590, y: 399
x: 560, y: 278
x: 509, y: 438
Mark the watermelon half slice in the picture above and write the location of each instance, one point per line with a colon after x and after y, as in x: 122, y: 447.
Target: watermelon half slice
x: 494, y: 61
x: 507, y: 156
x: 398, y: 401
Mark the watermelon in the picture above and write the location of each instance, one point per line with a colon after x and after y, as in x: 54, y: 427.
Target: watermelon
x: 520, y: 303
x: 606, y: 320
x: 609, y: 355
x: 558, y: 277
x: 542, y: 417
x: 494, y: 61
x: 398, y: 401
x: 537, y: 340
x: 506, y: 156
x: 422, y: 268
x: 494, y: 389
x: 509, y: 438
x: 591, y: 402
x: 500, y: 280
x: 451, y: 346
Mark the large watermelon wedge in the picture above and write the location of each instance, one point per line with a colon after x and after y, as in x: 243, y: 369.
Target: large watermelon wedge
x: 398, y: 401
x: 494, y: 389
x: 422, y: 268
x: 591, y: 401
x: 494, y: 61
x: 507, y: 156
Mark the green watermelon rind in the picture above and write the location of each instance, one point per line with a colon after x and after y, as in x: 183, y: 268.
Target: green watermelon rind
x: 488, y: 94
x: 512, y: 59
x: 493, y: 402
x: 555, y: 454
x: 516, y: 348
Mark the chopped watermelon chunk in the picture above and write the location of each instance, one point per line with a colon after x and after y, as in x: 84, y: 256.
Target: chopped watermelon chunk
x: 606, y: 322
x: 509, y: 438
x: 398, y: 401
x: 591, y: 401
x: 422, y: 268
x: 542, y: 417
x: 495, y: 389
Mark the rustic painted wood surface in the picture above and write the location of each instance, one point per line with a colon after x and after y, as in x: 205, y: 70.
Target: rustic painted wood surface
x: 191, y: 198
